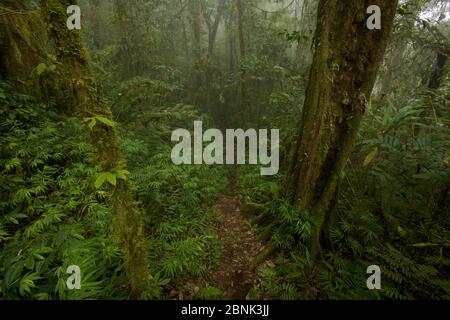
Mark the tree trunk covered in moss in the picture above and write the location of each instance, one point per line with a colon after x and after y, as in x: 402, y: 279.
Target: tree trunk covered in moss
x: 71, y: 55
x: 97, y: 23
x: 184, y: 33
x: 346, y: 62
x: 214, y: 27
x: 240, y: 11
x: 230, y: 37
x: 130, y: 53
x: 245, y: 105
x: 21, y: 40
x: 200, y: 65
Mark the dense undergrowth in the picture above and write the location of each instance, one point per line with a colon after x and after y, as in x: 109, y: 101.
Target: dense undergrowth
x: 392, y: 212
x: 393, y: 206
x: 175, y: 199
x: 56, y: 217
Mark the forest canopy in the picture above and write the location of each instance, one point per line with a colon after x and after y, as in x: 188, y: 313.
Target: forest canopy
x: 224, y: 149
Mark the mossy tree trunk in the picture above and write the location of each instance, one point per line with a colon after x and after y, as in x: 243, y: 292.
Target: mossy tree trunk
x: 200, y: 66
x: 213, y: 26
x: 97, y: 23
x: 130, y: 53
x: 346, y: 62
x: 245, y: 105
x: 184, y: 33
x: 231, y: 39
x: 71, y: 55
x: 21, y: 40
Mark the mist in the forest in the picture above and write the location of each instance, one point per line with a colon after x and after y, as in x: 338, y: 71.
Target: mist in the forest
x: 224, y: 150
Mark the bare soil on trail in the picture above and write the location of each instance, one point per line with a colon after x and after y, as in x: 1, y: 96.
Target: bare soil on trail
x: 235, y: 275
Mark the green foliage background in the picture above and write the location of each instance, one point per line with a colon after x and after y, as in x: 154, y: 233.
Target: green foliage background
x: 393, y: 208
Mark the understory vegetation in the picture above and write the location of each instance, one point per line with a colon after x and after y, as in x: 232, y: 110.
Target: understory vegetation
x: 395, y: 173
x: 56, y: 216
x: 157, y: 66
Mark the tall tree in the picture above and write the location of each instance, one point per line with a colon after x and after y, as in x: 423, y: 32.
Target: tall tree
x: 20, y: 51
x: 71, y: 55
x: 346, y: 62
x: 97, y: 23
x: 231, y: 38
x: 184, y: 32
x: 213, y: 24
x: 131, y: 51
x: 244, y: 103
x: 195, y: 9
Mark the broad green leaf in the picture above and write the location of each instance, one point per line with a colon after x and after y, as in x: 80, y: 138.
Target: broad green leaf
x: 111, y: 178
x: 106, y: 121
x: 100, y: 180
x: 41, y: 68
x: 105, y: 177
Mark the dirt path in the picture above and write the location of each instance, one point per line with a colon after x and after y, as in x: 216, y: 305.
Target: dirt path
x: 235, y: 274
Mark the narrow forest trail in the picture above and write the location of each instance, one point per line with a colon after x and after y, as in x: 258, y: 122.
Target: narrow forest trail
x: 236, y: 272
